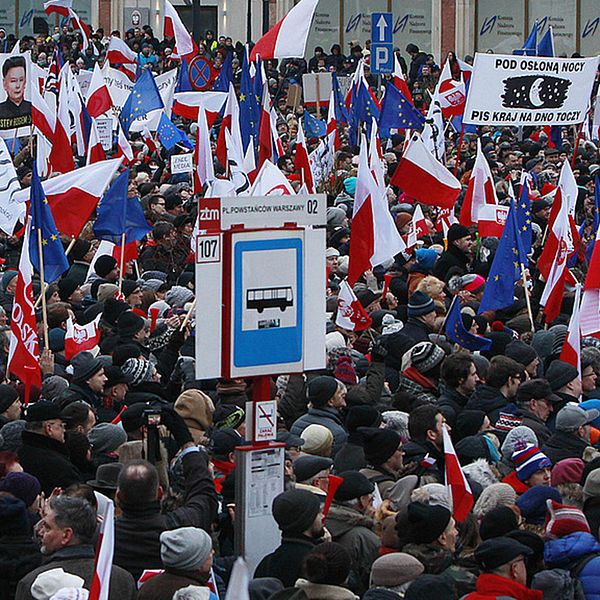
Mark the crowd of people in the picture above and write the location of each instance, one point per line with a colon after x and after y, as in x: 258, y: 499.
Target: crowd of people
x: 131, y: 421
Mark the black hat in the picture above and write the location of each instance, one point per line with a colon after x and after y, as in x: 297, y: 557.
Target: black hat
x: 66, y: 287
x: 354, y: 486
x: 80, y: 249
x: 224, y: 441
x: 457, y: 232
x: 521, y: 352
x: 132, y: 417
x: 471, y: 448
x: 289, y: 439
x: 538, y: 389
x: 366, y: 297
x: 42, y: 410
x: 104, y: 265
x: 8, y: 395
x: 420, y: 304
x: 499, y: 551
x: 107, y: 476
x: 498, y: 522
x: 307, y: 467
x: 114, y: 376
x: 379, y: 444
x: 559, y: 373
x: 321, y: 389
x: 431, y: 587
x: 228, y: 415
x: 112, y: 310
x: 362, y: 416
x: 295, y: 510
x: 532, y: 162
x: 426, y: 523
x: 85, y: 365
x: 128, y: 324
x: 540, y: 204
x: 128, y: 287
x: 468, y: 422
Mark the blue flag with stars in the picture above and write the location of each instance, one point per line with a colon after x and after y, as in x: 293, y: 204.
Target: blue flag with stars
x: 249, y: 109
x: 53, y: 253
x: 314, y: 127
x: 341, y: 112
x: 225, y: 75
x: 397, y: 112
x: 362, y: 110
x: 118, y: 214
x: 183, y: 79
x: 506, y: 267
x: 457, y: 333
x: 170, y: 135
x: 143, y: 98
x: 524, y: 217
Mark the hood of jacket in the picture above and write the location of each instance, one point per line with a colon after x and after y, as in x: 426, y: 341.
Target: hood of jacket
x: 342, y: 519
x: 563, y: 552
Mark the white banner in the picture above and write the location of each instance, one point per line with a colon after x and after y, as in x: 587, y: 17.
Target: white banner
x: 525, y: 90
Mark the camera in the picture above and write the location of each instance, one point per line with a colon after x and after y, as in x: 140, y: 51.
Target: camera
x: 152, y: 417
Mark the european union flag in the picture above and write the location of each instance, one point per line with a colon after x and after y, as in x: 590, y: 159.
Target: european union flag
x: 225, y: 75
x: 258, y: 82
x: 546, y: 45
x: 530, y: 46
x: 506, y: 267
x: 363, y: 110
x: 341, y: 112
x: 143, y: 98
x: 42, y: 222
x: 456, y: 332
x: 249, y: 109
x: 117, y: 214
x: 524, y: 217
x: 397, y: 112
x: 183, y: 80
x: 170, y: 135
x: 314, y: 127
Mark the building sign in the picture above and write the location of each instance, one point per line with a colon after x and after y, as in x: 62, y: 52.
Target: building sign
x: 589, y: 23
x: 561, y: 16
x: 500, y: 25
x: 412, y: 24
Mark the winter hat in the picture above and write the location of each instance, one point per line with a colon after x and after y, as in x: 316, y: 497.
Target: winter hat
x: 112, y: 310
x: 362, y: 416
x: 499, y: 551
x: 468, y: 422
x: 228, y: 415
x: 318, y: 440
x: 457, y: 232
x: 571, y: 416
x: 334, y: 340
x: 335, y: 216
x: 66, y: 287
x: 8, y: 396
x: 46, y: 584
x: 306, y: 467
x: 432, y: 494
x: 13, y: 516
x: 344, y: 370
x: 354, y: 486
x: 426, y: 258
x: 471, y: 448
x: 321, y: 389
x: 568, y: 470
x: 497, y: 494
x: 563, y: 520
x: 196, y: 409
x: 425, y: 356
x: 79, y: 249
x: 528, y: 461
x: 532, y: 503
x: 379, y: 444
x: 295, y: 510
x: 85, y: 365
x: 104, y: 265
x: 11, y: 434
x: 497, y: 522
x: 7, y: 277
x: 178, y: 295
x: 128, y: 287
x: 559, y: 373
x: 426, y: 523
x: 185, y: 549
x: 394, y: 569
x: 106, y: 437
x: 128, y: 324
x: 23, y: 486
x: 224, y: 441
x: 431, y: 587
x: 56, y: 339
x: 521, y: 352
x: 107, y: 291
x: 516, y: 439
x: 472, y: 282
x: 591, y: 486
x: 138, y: 370
x: 420, y: 304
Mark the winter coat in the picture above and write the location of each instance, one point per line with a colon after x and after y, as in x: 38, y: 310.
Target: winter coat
x: 451, y: 403
x: 452, y: 259
x: 137, y: 531
x: 563, y: 444
x: 417, y: 330
x: 19, y: 555
x: 591, y: 510
x: 166, y: 584
x: 285, y: 562
x: 490, y: 587
x: 568, y: 553
x: 48, y: 460
x: 383, y: 479
x: 531, y: 420
x: 351, y: 456
x: 81, y: 392
x: 80, y: 560
x: 321, y: 591
x: 417, y: 385
x: 328, y: 417
x: 417, y: 451
x: 488, y: 399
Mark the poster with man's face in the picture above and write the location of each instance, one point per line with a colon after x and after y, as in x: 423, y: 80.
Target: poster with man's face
x: 15, y: 105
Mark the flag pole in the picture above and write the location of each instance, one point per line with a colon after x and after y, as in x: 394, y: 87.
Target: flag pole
x: 122, y: 262
x: 43, y: 294
x: 460, y: 140
x: 188, y: 316
x: 527, y: 298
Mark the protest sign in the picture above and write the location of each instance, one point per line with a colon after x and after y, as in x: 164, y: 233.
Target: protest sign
x: 316, y: 87
x: 15, y: 96
x: 105, y: 132
x: 527, y: 90
x: 181, y: 163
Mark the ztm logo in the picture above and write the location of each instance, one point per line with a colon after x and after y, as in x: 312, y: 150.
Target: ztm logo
x: 353, y: 22
x: 488, y: 25
x: 591, y: 27
x: 401, y: 23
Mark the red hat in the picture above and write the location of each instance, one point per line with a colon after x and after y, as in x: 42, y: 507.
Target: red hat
x: 563, y: 520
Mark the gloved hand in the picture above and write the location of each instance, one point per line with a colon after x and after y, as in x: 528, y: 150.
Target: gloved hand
x: 176, y: 425
x: 378, y: 350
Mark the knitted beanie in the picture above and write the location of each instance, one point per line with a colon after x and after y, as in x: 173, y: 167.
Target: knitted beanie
x: 295, y: 510
x: 344, y: 370
x: 563, y: 520
x: 186, y: 548
x: 138, y: 370
x: 497, y: 494
x: 106, y: 437
x: 457, y: 232
x: 420, y: 304
x: 426, y: 523
x: 23, y: 486
x: 528, y: 461
x: 178, y: 295
x: 516, y: 439
x: 396, y: 568
x: 321, y: 389
x: 128, y: 324
x: 498, y: 522
x: 568, y: 470
x: 104, y: 265
x: 379, y: 444
x: 318, y: 440
x: 591, y: 487
x: 425, y: 356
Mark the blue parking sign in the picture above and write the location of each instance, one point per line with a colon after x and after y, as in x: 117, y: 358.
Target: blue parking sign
x: 382, y: 59
x: 381, y: 28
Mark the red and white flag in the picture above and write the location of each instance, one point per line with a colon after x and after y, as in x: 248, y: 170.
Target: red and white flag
x: 124, y: 149
x: 492, y: 218
x: 42, y: 116
x: 288, y: 38
x: 265, y: 136
x: 105, y: 549
x: 23, y: 353
x: 119, y: 53
x: 204, y: 168
x: 95, y: 152
x: 231, y: 119
x: 445, y: 220
x: 333, y: 135
x: 424, y: 178
x: 350, y: 312
x: 174, y: 28
x: 98, y: 99
x: 187, y: 104
x: 149, y: 140
x: 456, y: 482
x: 61, y: 156
x: 417, y: 227
x: 451, y: 93
x: 480, y: 191
x: 590, y: 303
x: 301, y: 161
x: 81, y: 337
x: 571, y: 350
x: 64, y: 8
x: 270, y: 181
x: 399, y: 79
x: 60, y: 7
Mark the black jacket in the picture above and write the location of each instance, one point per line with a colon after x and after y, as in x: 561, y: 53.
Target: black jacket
x: 417, y: 330
x: 488, y: 399
x: 137, y: 531
x: 351, y: 456
x: 48, y: 460
x: 563, y: 444
x: 451, y: 403
x: 591, y: 510
x: 452, y: 262
x: 417, y: 451
x: 18, y: 556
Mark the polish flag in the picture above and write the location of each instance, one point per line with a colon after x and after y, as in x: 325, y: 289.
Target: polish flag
x: 590, y: 304
x: 375, y: 237
x: 456, y: 482
x: 445, y: 220
x: 149, y: 140
x: 119, y: 53
x: 98, y: 99
x: 185, y: 46
x: 231, y: 118
x: 270, y: 181
x: 23, y: 353
x: 81, y: 337
x: 571, y: 350
x: 333, y: 134
x: 399, y: 80
x: 61, y: 156
x: 376, y: 158
x: 277, y: 144
x: 105, y: 548
x: 61, y: 7
x: 301, y: 161
x: 95, y: 151
x: 124, y: 149
x: 417, y: 227
x: 451, y: 93
x: 42, y: 116
x: 481, y: 190
x: 492, y: 218
x: 350, y: 313
x: 187, y: 104
x: 424, y: 178
x: 205, y: 170
x: 265, y: 137
x: 288, y: 38
x: 466, y: 69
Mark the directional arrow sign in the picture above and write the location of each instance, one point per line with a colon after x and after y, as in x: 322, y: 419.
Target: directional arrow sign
x: 381, y: 28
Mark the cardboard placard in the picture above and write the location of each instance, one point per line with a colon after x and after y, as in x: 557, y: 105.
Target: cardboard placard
x: 104, y: 129
x: 181, y: 163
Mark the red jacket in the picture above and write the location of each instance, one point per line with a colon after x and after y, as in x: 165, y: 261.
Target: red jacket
x: 489, y: 587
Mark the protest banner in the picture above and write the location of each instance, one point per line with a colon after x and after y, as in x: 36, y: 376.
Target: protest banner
x: 15, y: 96
x: 527, y: 90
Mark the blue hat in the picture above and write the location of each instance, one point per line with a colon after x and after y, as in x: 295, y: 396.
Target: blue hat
x: 532, y: 503
x: 420, y: 304
x: 56, y: 339
x: 350, y: 185
x: 426, y: 258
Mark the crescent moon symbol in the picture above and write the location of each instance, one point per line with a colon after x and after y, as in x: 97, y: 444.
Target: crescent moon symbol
x: 534, y: 94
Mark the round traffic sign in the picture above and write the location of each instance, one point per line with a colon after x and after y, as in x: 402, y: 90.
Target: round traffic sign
x: 201, y: 73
